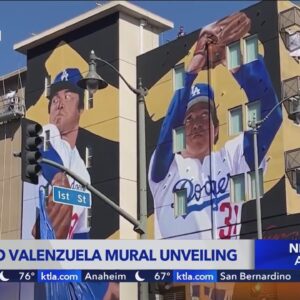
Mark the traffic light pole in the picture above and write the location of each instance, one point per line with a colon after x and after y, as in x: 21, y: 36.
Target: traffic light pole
x: 30, y: 155
x: 138, y: 226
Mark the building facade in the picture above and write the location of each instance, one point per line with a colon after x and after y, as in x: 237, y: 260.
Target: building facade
x: 224, y: 82
x: 12, y: 110
x: 206, y: 90
x: 102, y: 145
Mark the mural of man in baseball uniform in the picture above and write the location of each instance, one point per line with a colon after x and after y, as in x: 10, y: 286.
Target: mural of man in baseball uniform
x: 66, y: 103
x: 203, y: 174
x: 65, y: 107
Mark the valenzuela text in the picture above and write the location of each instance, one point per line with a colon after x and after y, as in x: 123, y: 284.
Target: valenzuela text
x: 118, y: 255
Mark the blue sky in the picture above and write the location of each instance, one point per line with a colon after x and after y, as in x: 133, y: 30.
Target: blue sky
x: 20, y: 19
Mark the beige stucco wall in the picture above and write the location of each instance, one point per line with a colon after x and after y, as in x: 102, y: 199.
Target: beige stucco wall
x: 133, y: 40
x: 10, y: 181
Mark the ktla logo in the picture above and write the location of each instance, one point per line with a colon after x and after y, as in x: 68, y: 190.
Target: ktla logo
x: 0, y: 35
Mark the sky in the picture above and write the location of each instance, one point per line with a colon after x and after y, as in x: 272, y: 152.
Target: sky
x: 20, y: 20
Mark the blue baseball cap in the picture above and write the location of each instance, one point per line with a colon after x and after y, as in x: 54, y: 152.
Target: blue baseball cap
x: 201, y: 92
x: 67, y: 79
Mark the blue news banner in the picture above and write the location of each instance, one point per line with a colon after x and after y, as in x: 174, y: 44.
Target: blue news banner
x: 44, y: 276
x: 274, y: 260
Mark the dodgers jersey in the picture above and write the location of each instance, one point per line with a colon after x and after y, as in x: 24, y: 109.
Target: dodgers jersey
x: 72, y: 160
x: 207, y: 182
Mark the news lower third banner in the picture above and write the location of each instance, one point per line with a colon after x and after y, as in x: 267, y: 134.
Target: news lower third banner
x: 126, y: 254
x: 150, y: 255
x: 278, y: 255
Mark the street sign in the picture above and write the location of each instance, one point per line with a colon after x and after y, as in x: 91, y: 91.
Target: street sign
x: 71, y: 196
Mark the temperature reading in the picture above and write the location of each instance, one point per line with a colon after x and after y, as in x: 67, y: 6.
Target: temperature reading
x: 160, y: 276
x: 26, y: 276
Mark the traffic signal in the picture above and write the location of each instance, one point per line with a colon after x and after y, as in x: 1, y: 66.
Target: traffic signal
x: 31, y: 155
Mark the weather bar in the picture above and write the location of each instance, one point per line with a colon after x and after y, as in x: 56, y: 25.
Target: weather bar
x: 18, y: 276
x: 44, y: 276
x: 128, y: 275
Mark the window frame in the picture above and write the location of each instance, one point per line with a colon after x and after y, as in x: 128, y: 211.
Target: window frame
x: 238, y: 42
x: 261, y: 179
x: 47, y: 87
x: 240, y: 107
x: 46, y: 140
x: 89, y: 217
x: 175, y: 137
x: 177, y: 67
x: 232, y: 193
x: 245, y: 52
x: 176, y: 206
x: 88, y: 156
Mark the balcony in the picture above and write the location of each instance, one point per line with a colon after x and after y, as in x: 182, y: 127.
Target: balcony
x: 292, y: 168
x: 289, y: 26
x: 11, y: 107
x: 289, y: 18
x: 291, y: 93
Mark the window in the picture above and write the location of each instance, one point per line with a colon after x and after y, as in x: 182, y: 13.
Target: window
x: 88, y: 156
x: 180, y: 204
x: 251, y: 48
x: 178, y: 77
x: 236, y: 120
x: 89, y: 217
x: 294, y: 41
x: 234, y: 55
x: 89, y: 100
x: 298, y: 181
x: 47, y: 85
x: 47, y: 192
x: 178, y: 139
x: 238, y: 188
x: 252, y: 185
x: 195, y: 291
x: 47, y: 142
x: 253, y: 111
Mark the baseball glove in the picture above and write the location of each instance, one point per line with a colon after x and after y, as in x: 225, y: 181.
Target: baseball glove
x: 214, y: 38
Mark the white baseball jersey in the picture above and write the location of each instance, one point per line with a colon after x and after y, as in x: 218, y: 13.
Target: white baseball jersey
x: 72, y: 160
x: 209, y: 208
x: 206, y: 182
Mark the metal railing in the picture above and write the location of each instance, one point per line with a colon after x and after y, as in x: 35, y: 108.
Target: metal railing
x: 292, y: 166
x: 289, y: 29
x: 289, y: 17
x: 291, y: 93
x: 11, y: 108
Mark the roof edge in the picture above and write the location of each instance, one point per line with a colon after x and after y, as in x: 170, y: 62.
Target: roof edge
x: 13, y: 73
x: 89, y: 17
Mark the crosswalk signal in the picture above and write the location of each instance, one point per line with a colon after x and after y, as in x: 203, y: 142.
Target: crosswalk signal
x: 31, y: 154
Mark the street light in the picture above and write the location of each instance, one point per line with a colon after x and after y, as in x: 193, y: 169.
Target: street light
x: 93, y: 82
x: 255, y: 125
